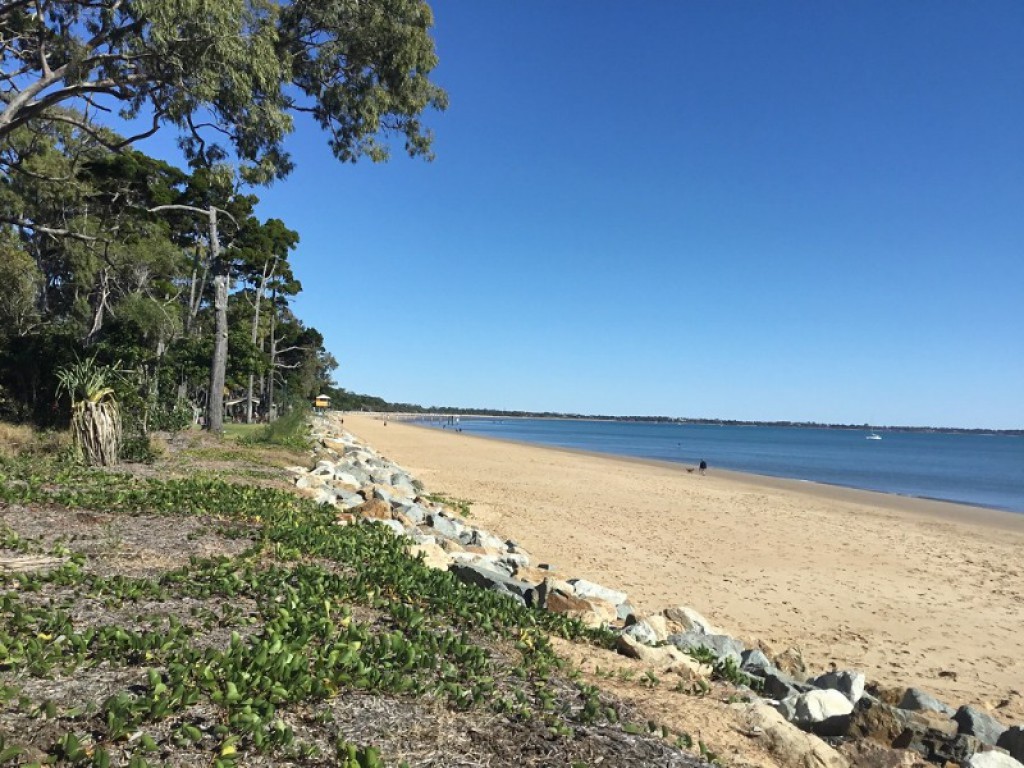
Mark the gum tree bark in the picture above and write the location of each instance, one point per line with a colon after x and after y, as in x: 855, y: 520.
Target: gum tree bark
x: 272, y: 265
x: 218, y: 367
x: 220, y: 268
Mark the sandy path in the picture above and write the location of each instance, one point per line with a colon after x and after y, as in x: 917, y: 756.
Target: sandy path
x: 912, y: 592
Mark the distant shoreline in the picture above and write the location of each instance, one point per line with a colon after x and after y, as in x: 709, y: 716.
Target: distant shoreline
x: 411, y: 415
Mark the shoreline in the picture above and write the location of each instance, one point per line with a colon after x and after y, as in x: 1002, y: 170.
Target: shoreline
x: 403, y: 416
x: 925, y: 505
x: 913, y: 592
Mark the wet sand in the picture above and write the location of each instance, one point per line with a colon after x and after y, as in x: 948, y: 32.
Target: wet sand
x: 910, y: 591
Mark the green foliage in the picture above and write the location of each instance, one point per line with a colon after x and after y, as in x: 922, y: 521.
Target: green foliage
x: 244, y: 66
x: 722, y: 668
x: 299, y: 645
x: 459, y: 505
x: 23, y: 282
x: 289, y: 431
x: 171, y: 417
x: 89, y: 267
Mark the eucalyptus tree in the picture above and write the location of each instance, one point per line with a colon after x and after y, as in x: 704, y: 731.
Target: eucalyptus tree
x: 22, y: 283
x: 75, y: 207
x: 228, y: 75
x: 262, y: 258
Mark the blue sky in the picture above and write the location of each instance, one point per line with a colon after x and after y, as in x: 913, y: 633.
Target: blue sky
x: 737, y: 210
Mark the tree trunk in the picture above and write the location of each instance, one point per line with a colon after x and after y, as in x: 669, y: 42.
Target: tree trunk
x: 196, y: 289
x: 255, y: 329
x: 218, y: 367
x: 99, y: 313
x: 273, y: 354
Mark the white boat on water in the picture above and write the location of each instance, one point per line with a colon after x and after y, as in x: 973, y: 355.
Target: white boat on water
x: 873, y: 436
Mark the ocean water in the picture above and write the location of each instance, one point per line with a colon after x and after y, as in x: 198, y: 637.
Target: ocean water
x: 982, y: 470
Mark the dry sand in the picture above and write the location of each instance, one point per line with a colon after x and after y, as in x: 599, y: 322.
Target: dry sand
x: 911, y: 592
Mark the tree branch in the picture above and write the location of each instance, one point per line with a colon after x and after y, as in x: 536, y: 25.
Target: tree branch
x: 25, y: 224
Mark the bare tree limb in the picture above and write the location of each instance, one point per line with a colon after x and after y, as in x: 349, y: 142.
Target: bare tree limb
x: 53, y: 232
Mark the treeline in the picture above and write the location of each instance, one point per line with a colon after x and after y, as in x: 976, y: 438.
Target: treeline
x: 121, y: 272
x: 114, y: 256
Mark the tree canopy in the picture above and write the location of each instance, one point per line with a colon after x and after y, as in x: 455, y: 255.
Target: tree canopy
x: 229, y: 75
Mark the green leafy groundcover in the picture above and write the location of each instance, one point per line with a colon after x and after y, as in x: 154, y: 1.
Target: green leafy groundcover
x: 306, y: 576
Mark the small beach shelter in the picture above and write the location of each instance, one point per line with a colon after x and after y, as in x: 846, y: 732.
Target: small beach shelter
x: 235, y: 409
x: 322, y: 402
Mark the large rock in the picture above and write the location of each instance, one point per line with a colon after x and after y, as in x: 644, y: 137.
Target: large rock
x: 348, y: 480
x: 658, y: 624
x: 386, y: 493
x: 483, y: 559
x: 689, y: 620
x: 445, y: 526
x: 394, y: 525
x: 323, y: 469
x: 790, y: 746
x: 489, y: 578
x: 934, y: 736
x: 624, y: 610
x: 491, y: 554
x: 346, y: 499
x: 549, y: 586
x: 916, y: 699
x: 974, y: 722
x: 629, y: 646
x: 1012, y: 740
x: 516, y: 561
x: 592, y: 612
x: 361, y: 476
x: 558, y: 601
x: 754, y: 662
x: 791, y: 661
x: 404, y: 486
x: 381, y: 475
x: 448, y: 545
x: 305, y: 481
x: 870, y: 754
x: 850, y: 684
x: 433, y: 555
x: 824, y: 712
x: 642, y: 632
x: 589, y: 589
x: 776, y: 684
x: 320, y: 496
x: 722, y: 645
x: 877, y: 721
x: 414, y: 512
x: 375, y: 509
x: 993, y: 759
x: 526, y: 573
x: 503, y: 589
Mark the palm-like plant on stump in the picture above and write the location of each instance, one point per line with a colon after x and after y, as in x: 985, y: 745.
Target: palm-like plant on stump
x: 95, y: 414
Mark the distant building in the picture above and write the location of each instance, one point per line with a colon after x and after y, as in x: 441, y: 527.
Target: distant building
x: 322, y: 402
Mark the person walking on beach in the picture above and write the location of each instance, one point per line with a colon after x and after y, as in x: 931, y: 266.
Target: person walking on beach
x: 703, y: 466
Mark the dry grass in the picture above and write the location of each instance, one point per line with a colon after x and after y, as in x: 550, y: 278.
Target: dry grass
x: 22, y: 440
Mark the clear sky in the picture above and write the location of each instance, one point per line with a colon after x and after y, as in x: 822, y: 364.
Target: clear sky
x: 737, y: 210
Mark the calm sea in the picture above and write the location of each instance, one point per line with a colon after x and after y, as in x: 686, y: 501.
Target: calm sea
x: 983, y: 470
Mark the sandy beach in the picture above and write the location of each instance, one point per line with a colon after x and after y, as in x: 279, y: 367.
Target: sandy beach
x: 910, y: 591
